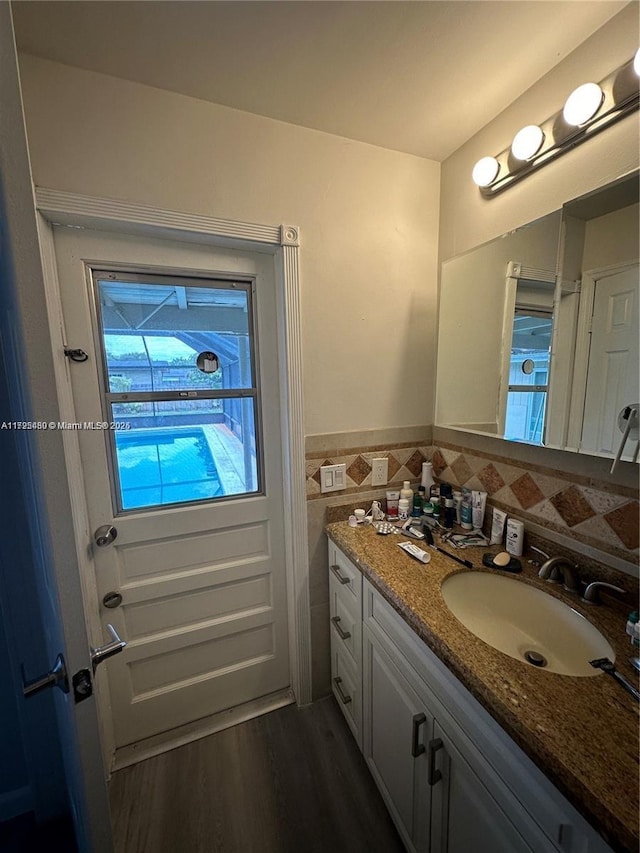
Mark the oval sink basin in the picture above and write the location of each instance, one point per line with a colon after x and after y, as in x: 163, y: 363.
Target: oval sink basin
x: 525, y: 623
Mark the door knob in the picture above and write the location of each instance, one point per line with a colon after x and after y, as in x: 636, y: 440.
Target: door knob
x: 109, y: 649
x: 56, y: 677
x: 105, y: 534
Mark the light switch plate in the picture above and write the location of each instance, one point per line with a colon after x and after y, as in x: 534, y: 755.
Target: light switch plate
x: 380, y: 471
x: 333, y: 478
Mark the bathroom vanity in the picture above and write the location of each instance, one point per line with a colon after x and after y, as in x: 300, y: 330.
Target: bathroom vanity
x: 473, y: 749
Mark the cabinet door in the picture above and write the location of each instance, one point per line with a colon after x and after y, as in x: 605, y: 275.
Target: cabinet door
x: 396, y: 727
x: 465, y: 817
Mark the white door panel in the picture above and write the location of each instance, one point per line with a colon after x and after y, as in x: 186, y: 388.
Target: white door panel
x: 203, y: 584
x: 613, y: 375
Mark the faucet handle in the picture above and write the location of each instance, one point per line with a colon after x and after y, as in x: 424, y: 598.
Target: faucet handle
x: 592, y: 592
x: 540, y: 551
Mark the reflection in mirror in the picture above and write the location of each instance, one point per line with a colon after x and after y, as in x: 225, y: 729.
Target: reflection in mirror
x: 600, y: 262
x: 538, y: 329
x: 496, y: 308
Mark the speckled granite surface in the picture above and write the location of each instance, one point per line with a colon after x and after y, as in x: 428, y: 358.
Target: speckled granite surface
x: 581, y: 732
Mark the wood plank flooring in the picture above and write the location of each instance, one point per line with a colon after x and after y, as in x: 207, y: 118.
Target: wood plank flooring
x: 292, y: 781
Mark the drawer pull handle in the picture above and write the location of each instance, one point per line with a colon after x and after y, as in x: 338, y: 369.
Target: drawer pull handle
x: 344, y: 635
x: 434, y: 775
x: 417, y: 748
x: 336, y: 571
x: 343, y: 696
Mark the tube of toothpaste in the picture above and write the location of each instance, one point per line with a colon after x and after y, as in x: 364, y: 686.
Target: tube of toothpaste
x: 497, y: 526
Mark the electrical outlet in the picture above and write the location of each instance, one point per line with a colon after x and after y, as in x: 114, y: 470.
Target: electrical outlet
x: 380, y: 471
x: 333, y: 478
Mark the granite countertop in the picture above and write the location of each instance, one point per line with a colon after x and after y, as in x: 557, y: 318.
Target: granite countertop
x: 581, y: 732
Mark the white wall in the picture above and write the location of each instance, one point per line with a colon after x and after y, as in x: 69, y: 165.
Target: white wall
x: 467, y: 219
x: 368, y: 218
x: 611, y: 239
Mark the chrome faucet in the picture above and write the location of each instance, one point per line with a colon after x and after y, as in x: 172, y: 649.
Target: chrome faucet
x: 568, y: 575
x: 592, y: 592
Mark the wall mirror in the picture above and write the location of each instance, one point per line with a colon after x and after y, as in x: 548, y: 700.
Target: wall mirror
x: 538, y: 329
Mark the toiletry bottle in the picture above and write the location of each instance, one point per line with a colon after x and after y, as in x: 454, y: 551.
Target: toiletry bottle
x: 427, y: 512
x: 406, y: 492
x: 515, y: 537
x: 404, y: 508
x: 457, y: 499
x: 418, y: 502
x: 427, y: 477
x: 445, y: 492
x: 393, y: 497
x: 449, y: 512
x: 633, y: 628
x: 466, y: 510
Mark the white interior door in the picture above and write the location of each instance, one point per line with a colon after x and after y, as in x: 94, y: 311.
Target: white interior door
x: 190, y: 478
x: 613, y: 374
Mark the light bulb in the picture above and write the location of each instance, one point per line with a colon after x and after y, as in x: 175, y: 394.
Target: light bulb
x: 636, y: 62
x: 527, y: 142
x: 582, y: 104
x: 485, y: 171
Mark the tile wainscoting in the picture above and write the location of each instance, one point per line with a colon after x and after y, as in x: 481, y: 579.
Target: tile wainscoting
x: 575, y: 505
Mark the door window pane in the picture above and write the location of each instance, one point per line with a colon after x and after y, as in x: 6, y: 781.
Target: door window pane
x: 153, y: 335
x: 187, y: 434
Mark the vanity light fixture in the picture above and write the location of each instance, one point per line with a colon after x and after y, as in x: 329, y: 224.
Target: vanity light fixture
x: 526, y: 143
x: 589, y: 109
x: 485, y: 171
x: 582, y: 104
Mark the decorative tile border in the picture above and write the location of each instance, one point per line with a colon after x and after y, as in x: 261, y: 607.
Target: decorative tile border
x: 405, y: 463
x: 593, y: 514
x: 600, y: 515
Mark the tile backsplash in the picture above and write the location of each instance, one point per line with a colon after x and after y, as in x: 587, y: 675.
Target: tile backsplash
x: 597, y: 514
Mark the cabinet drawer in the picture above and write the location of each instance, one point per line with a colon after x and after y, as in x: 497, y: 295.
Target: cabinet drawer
x: 346, y: 626
x: 348, y: 576
x: 346, y: 684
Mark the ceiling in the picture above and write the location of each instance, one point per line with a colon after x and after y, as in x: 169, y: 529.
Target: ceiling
x: 420, y: 77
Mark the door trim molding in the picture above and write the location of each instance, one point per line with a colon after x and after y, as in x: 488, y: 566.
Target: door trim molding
x: 282, y: 241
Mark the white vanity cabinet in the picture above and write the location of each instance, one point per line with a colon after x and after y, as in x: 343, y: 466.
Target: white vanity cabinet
x: 454, y: 782
x: 437, y: 801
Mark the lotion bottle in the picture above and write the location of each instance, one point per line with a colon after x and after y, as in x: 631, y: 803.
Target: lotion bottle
x: 406, y: 492
x: 427, y: 477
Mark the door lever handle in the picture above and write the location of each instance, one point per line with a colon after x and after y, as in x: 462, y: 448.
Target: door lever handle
x: 109, y: 649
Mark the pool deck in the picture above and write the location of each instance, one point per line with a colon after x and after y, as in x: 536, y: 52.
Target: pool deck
x: 228, y: 455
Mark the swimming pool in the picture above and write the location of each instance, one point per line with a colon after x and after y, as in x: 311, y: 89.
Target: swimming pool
x: 165, y: 466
